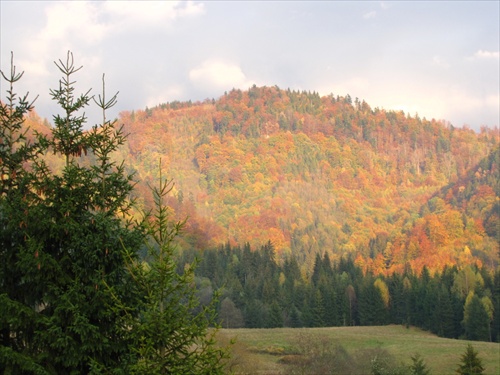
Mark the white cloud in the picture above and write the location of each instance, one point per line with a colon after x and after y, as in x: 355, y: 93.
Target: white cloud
x: 369, y: 15
x: 172, y: 93
x: 493, y: 101
x: 481, y: 54
x: 191, y: 9
x: 384, y: 5
x: 219, y: 75
x: 461, y: 106
x: 356, y: 86
x: 79, y: 25
x: 79, y: 20
x: 141, y: 14
x: 440, y: 62
x: 156, y: 51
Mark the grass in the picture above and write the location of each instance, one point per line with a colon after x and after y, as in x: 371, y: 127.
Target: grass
x: 263, y: 350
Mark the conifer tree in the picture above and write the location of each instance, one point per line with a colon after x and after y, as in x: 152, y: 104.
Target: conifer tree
x: 18, y: 297
x: 64, y: 242
x: 275, y: 318
x: 476, y: 319
x: 470, y: 363
x: 496, y: 301
x: 418, y: 366
x: 166, y: 335
x: 63, y: 276
x: 444, y: 315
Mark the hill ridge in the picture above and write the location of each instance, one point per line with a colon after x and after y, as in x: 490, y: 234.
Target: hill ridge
x: 314, y: 174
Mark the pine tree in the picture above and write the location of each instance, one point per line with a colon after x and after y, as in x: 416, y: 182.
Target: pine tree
x: 496, y: 314
x: 418, y: 366
x: 18, y: 295
x: 275, y: 318
x: 470, y: 363
x: 476, y: 319
x: 63, y: 278
x: 444, y: 314
x: 294, y: 318
x: 166, y: 334
x: 79, y: 235
x: 372, y: 310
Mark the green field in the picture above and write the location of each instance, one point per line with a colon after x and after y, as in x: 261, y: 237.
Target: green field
x: 268, y: 351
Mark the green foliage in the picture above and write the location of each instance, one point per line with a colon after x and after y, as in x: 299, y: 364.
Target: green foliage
x: 68, y: 296
x: 470, y: 362
x: 64, y: 244
x: 166, y: 334
x: 318, y: 355
x: 270, y: 293
x: 17, y: 319
x: 476, y: 319
x: 384, y: 364
x: 418, y: 366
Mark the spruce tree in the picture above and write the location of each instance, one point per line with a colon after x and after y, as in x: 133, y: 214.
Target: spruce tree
x: 476, y: 319
x: 444, y: 315
x: 65, y: 242
x: 65, y: 276
x: 166, y: 333
x: 418, y: 366
x: 275, y: 318
x: 496, y: 302
x: 18, y: 295
x: 470, y: 363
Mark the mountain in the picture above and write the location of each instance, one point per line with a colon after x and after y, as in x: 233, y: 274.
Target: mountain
x: 321, y: 175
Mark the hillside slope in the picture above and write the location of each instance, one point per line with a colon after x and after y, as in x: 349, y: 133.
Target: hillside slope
x: 321, y: 174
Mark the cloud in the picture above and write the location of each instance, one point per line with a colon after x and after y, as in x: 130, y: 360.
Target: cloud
x: 87, y: 24
x: 492, y: 101
x: 134, y: 14
x: 92, y: 30
x: 385, y: 5
x: 440, y: 62
x: 219, y: 75
x: 369, y: 15
x: 481, y: 54
x: 78, y: 19
x: 164, y: 95
x: 357, y: 86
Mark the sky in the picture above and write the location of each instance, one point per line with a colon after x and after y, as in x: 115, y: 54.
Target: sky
x: 435, y: 59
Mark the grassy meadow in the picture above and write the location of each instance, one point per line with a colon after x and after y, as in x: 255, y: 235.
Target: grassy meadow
x: 283, y: 350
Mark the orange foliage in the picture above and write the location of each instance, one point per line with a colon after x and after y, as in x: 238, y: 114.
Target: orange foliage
x: 315, y: 174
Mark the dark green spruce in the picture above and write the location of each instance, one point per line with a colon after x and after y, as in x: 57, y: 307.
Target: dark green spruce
x: 68, y: 291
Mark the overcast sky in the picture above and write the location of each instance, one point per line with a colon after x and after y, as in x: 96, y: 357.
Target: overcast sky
x: 437, y: 59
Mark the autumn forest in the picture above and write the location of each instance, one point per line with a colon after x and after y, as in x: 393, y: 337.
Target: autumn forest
x: 327, y: 175
x: 323, y: 211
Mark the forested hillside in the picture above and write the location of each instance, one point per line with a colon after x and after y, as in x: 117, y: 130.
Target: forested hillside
x: 322, y: 175
x: 362, y: 216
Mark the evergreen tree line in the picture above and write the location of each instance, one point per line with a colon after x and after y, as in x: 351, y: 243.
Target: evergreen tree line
x: 257, y: 291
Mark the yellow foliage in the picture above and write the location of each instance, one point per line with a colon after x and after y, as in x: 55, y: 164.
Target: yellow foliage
x: 384, y: 291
